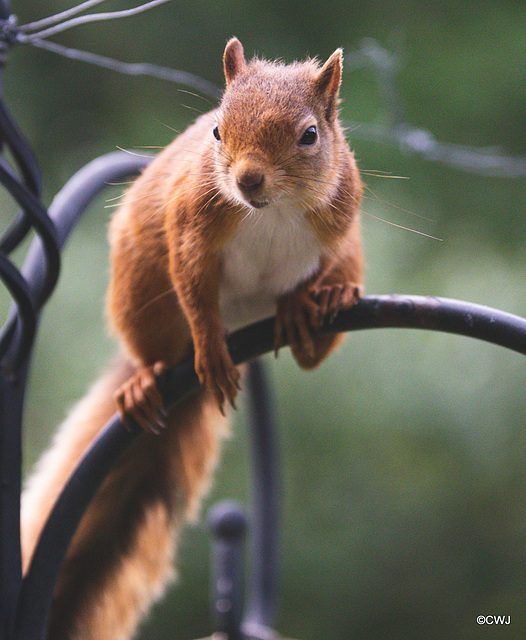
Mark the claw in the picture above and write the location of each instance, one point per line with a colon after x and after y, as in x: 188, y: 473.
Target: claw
x: 161, y: 418
x: 139, y: 400
x: 333, y: 298
x: 297, y: 315
x: 216, y: 371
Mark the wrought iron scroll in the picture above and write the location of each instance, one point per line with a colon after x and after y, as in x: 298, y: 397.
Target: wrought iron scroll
x: 17, y: 335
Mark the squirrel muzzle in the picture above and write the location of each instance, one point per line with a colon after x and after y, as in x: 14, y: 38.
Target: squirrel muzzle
x: 252, y: 182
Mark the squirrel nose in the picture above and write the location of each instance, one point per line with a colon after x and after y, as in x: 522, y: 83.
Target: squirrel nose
x: 250, y: 180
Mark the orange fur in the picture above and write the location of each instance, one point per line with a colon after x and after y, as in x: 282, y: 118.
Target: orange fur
x: 252, y: 211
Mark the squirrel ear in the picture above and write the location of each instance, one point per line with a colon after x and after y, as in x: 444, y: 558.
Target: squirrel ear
x: 327, y: 81
x: 233, y: 59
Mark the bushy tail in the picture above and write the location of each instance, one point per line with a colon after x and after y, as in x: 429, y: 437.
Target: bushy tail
x: 120, y: 558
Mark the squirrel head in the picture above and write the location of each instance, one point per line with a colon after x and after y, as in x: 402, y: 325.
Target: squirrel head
x: 277, y: 135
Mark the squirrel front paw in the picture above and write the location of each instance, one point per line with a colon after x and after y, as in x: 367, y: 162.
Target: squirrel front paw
x: 297, y: 315
x: 215, y: 370
x: 302, y: 312
x: 138, y: 399
x: 333, y: 298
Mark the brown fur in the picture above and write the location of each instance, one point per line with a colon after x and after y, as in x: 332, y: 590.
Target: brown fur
x: 173, y: 251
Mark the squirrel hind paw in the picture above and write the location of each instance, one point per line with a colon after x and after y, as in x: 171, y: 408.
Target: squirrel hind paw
x: 139, y: 400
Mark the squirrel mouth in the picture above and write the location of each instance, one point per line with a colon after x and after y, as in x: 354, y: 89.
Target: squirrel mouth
x: 258, y: 204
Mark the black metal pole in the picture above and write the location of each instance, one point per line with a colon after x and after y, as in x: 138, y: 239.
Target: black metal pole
x: 12, y: 388
x: 264, y: 522
x: 11, y: 406
x: 228, y: 526
x: 5, y: 9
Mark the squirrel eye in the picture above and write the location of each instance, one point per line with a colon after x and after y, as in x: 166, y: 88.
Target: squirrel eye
x: 216, y: 133
x: 310, y: 136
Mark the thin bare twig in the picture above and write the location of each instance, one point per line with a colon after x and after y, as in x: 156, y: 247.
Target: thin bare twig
x: 95, y: 17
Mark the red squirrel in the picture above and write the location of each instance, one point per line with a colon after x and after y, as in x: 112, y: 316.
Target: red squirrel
x: 252, y: 212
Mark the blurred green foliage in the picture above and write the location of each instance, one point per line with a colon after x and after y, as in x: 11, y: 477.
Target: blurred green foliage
x: 404, y: 472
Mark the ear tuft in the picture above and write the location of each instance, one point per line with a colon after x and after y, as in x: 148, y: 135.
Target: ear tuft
x: 328, y: 79
x: 233, y: 59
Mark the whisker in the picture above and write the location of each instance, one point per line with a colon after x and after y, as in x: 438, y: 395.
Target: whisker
x: 382, y: 174
x: 399, y: 226
x: 178, y: 194
x: 191, y: 108
x: 167, y: 126
x: 376, y: 197
x: 196, y: 95
x: 121, y: 195
x: 132, y: 153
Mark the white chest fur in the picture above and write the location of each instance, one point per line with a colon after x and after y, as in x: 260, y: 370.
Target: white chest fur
x: 273, y: 250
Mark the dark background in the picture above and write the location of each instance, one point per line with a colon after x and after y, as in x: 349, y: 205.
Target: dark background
x: 404, y: 470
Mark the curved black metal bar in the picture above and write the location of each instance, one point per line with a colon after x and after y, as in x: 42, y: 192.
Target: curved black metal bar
x: 38, y: 218
x: 73, y: 199
x: 15, y: 233
x: 372, y: 312
x: 24, y: 157
x: 27, y: 317
x: 28, y: 168
x: 38, y: 584
x: 435, y: 314
x: 18, y: 343
x: 10, y: 135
